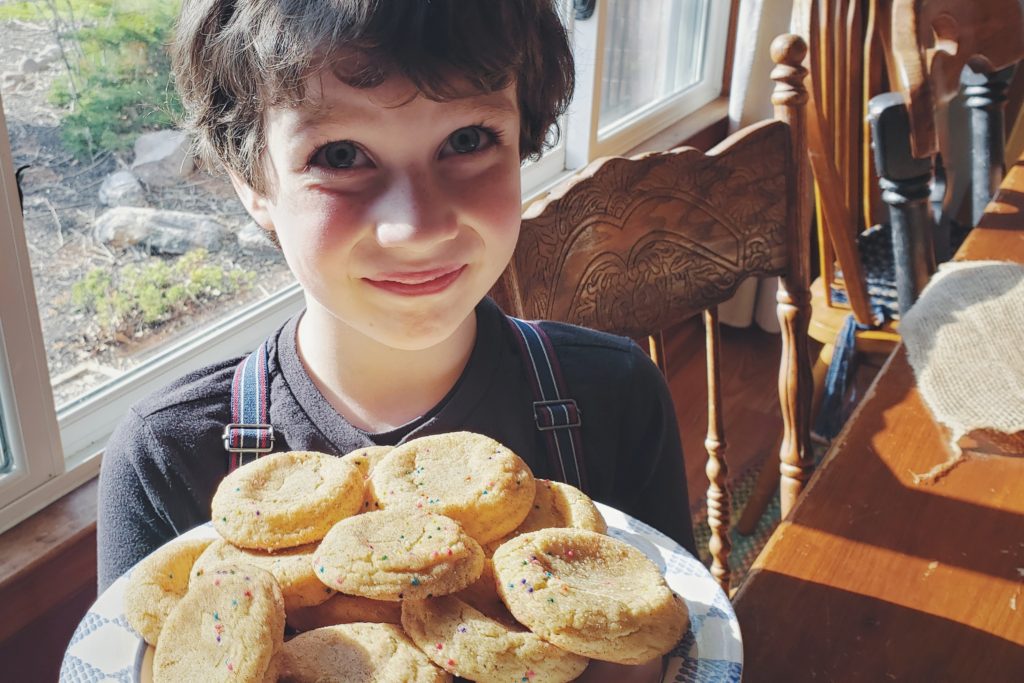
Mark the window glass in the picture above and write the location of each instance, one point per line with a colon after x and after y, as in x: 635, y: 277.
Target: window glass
x: 653, y: 49
x: 132, y: 247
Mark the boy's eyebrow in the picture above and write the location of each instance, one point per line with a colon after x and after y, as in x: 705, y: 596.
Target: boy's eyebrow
x: 313, y: 116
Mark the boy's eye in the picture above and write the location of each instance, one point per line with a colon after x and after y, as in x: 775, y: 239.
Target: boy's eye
x: 339, y: 155
x: 468, y: 140
x: 465, y: 140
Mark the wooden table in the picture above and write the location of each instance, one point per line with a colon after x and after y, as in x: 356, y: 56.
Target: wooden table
x: 876, y: 578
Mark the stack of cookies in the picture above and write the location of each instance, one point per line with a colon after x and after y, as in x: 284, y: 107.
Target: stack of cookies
x: 438, y: 557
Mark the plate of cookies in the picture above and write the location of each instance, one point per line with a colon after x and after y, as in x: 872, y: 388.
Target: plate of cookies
x: 388, y: 564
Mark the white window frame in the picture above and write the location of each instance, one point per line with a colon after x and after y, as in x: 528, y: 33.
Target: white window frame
x: 55, y: 451
x: 25, y: 395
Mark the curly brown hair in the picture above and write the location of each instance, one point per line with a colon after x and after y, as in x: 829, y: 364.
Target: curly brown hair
x: 234, y: 59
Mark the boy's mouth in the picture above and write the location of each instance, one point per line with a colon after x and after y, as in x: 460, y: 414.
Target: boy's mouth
x: 417, y: 283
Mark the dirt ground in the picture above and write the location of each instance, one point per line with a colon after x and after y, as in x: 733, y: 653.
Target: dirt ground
x: 60, y: 204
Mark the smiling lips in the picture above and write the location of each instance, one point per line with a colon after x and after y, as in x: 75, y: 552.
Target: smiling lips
x: 418, y: 283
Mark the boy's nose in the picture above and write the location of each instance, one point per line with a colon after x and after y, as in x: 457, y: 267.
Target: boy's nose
x: 415, y: 214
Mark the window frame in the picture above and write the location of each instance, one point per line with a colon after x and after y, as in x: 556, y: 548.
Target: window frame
x: 55, y: 452
x: 27, y: 401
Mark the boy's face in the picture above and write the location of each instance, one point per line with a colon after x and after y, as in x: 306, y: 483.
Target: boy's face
x: 395, y: 213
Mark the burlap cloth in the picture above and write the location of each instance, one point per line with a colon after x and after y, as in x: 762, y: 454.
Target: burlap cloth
x: 965, y: 341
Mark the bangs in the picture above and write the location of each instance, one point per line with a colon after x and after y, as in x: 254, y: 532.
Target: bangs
x: 447, y: 49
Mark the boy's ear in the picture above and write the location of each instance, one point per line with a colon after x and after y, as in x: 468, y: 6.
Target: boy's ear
x: 255, y: 203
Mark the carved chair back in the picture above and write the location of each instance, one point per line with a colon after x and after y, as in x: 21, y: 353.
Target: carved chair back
x: 635, y: 245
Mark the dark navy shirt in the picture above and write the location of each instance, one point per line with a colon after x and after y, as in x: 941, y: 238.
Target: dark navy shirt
x: 166, y: 458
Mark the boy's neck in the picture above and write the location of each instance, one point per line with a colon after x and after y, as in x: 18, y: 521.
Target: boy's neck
x: 375, y: 387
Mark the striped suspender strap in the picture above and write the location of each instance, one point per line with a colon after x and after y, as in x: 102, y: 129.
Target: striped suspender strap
x: 249, y: 435
x: 554, y: 413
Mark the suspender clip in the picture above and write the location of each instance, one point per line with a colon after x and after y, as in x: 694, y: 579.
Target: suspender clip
x: 243, y: 434
x: 557, y: 414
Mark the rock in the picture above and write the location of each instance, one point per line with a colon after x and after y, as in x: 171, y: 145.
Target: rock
x: 253, y: 237
x: 163, y: 157
x: 122, y: 188
x: 30, y: 66
x: 160, y: 232
x: 11, y: 79
x: 48, y: 55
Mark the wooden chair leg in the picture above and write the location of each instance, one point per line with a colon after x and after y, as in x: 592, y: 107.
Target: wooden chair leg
x: 761, y: 496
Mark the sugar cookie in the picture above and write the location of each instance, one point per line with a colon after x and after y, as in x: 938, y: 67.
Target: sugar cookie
x: 557, y: 505
x: 157, y: 583
x: 368, y: 653
x: 465, y: 642
x: 286, y: 499
x: 342, y: 608
x: 227, y: 627
x: 291, y: 567
x: 469, y: 477
x: 364, y: 460
x: 590, y: 594
x: 398, y: 554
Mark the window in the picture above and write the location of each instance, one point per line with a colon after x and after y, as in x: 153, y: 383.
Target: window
x: 104, y: 299
x: 642, y: 65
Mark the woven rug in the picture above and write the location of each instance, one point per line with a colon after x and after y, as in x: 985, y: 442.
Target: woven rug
x: 745, y: 549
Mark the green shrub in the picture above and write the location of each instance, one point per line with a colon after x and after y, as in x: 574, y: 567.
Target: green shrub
x: 119, y: 83
x: 137, y: 298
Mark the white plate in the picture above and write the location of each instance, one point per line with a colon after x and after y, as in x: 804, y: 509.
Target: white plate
x: 105, y: 648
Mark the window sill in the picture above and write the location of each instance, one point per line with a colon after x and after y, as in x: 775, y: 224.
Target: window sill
x: 48, y: 559
x: 702, y: 129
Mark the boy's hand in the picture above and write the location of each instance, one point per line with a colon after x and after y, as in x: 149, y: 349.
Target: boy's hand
x: 606, y: 672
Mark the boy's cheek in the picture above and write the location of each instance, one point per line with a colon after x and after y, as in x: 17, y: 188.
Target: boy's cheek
x: 324, y: 219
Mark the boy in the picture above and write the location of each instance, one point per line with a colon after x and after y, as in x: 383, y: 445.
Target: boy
x: 379, y: 144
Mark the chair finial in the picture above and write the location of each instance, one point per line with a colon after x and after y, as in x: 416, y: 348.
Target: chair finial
x: 788, y: 53
x: 789, y: 49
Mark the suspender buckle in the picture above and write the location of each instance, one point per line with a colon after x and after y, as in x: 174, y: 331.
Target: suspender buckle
x: 253, y: 433
x: 558, y: 414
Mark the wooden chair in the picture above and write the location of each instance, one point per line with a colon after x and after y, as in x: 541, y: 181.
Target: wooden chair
x: 932, y: 42
x: 847, y: 47
x: 635, y: 245
x: 846, y: 65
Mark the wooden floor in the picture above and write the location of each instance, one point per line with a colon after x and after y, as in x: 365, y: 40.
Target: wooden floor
x: 750, y: 397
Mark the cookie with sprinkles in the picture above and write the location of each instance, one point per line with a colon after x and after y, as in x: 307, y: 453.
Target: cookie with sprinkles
x: 590, y: 594
x: 469, y: 477
x: 482, y: 595
x: 342, y: 608
x: 291, y: 567
x: 398, y: 554
x: 364, y: 460
x: 157, y: 583
x: 368, y: 653
x: 558, y: 505
x: 227, y: 627
x: 467, y: 643
x: 286, y: 499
